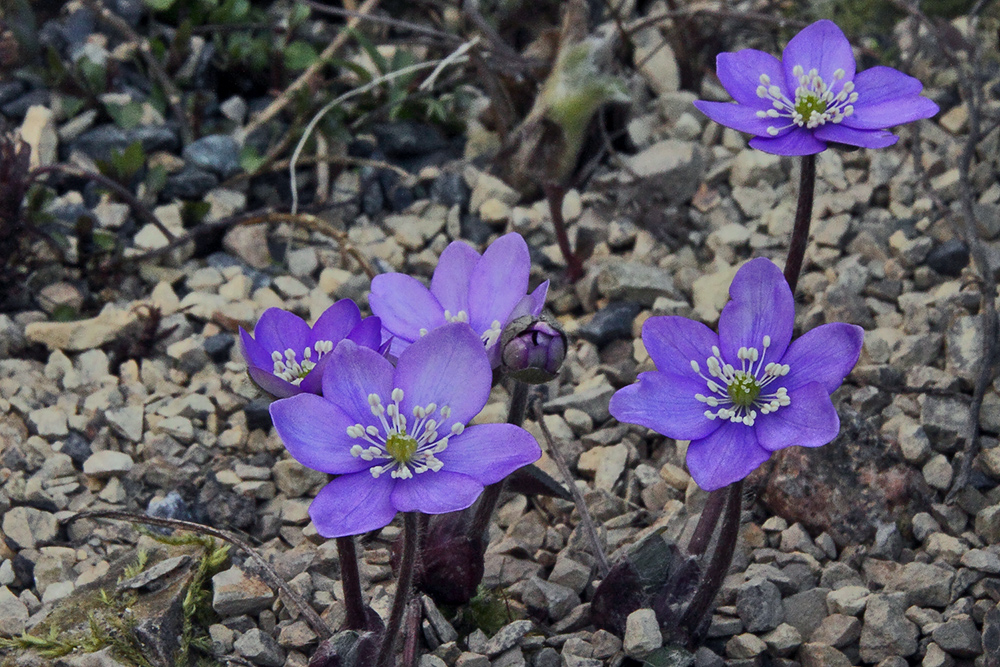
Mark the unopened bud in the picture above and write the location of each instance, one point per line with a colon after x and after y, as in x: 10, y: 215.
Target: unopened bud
x: 533, y: 349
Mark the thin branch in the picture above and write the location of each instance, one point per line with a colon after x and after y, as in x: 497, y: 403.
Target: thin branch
x: 126, y: 195
x: 587, y: 521
x: 275, y: 107
x: 274, y: 579
x: 173, y: 94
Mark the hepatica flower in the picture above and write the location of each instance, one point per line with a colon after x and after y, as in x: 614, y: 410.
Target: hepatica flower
x: 486, y: 291
x: 743, y: 393
x: 286, y: 356
x: 397, y: 437
x: 813, y: 96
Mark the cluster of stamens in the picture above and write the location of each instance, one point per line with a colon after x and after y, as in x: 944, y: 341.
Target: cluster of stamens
x: 289, y: 369
x: 815, y: 103
x: 736, y: 392
x: 489, y: 337
x: 406, y: 452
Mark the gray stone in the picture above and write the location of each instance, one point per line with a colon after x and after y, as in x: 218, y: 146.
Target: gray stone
x: 547, y: 657
x: 822, y: 655
x: 260, y: 648
x: 556, y: 600
x: 977, y: 559
x: 29, y: 528
x: 592, y: 401
x: 964, y: 347
x: 837, y: 630
x: 444, y: 630
x: 938, y: 473
x: 217, y: 153
x: 988, y: 524
x: 945, y: 420
x: 959, y: 637
x: 635, y: 281
x: 107, y: 463
x: 127, y: 421
x: 886, y: 631
x: 571, y: 574
x: 888, y: 542
x: 758, y: 604
x: 642, y: 634
x: 745, y: 646
x: 783, y: 640
x: 806, y: 610
x: 673, y: 167
x: 925, y: 585
x: 236, y: 592
x: 13, y: 614
x: 752, y: 167
x: 507, y: 637
x: 936, y: 657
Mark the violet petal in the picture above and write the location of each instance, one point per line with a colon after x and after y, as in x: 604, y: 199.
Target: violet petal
x: 739, y: 73
x: 499, y: 281
x: 404, y: 305
x: 825, y: 355
x: 272, y: 384
x: 490, y: 452
x: 435, y: 493
x: 278, y: 330
x: 737, y: 116
x: 674, y: 342
x: 353, y: 504
x: 761, y: 304
x: 890, y: 113
x: 314, y: 431
x: 353, y: 373
x: 367, y: 333
x: 726, y: 456
x: 254, y: 353
x: 797, y: 142
x: 447, y: 367
x: 810, y: 420
x: 450, y: 283
x: 821, y: 46
x: 665, y: 403
x: 848, y: 135
x: 336, y: 322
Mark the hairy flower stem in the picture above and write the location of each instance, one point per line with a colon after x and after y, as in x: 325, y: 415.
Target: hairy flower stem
x: 488, y: 501
x: 730, y: 497
x: 403, y: 582
x: 351, y: 579
x: 722, y: 557
x: 555, y: 194
x: 803, y: 216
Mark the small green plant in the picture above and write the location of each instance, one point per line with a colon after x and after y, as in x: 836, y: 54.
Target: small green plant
x: 124, y: 164
x: 135, y: 568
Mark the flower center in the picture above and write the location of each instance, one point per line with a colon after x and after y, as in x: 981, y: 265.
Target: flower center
x: 744, y: 390
x: 405, y: 452
x: 291, y: 370
x: 815, y: 103
x: 739, y: 393
x: 401, y: 447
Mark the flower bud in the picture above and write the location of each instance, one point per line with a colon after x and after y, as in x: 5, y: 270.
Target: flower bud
x: 533, y: 349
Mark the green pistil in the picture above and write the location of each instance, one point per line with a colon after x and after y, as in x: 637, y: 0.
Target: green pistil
x: 401, y: 447
x: 744, y: 390
x: 809, y: 103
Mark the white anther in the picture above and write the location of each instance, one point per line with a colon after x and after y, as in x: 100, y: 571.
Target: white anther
x: 397, y: 394
x: 695, y: 367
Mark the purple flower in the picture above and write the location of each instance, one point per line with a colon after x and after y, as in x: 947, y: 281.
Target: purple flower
x: 743, y: 393
x: 487, y: 291
x: 287, y: 357
x: 813, y: 95
x: 397, y: 436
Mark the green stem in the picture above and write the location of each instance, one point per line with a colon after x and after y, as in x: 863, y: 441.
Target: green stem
x: 410, y: 538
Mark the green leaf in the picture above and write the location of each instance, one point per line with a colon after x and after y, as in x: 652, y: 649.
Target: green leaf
x: 299, y: 55
x: 156, y: 179
x: 160, y: 5
x: 95, y: 76
x: 128, y: 162
x: 250, y: 159
x: 376, y: 56
x: 300, y: 13
x: 126, y: 116
x: 193, y: 212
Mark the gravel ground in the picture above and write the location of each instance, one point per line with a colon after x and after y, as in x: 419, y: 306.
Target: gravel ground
x: 849, y: 554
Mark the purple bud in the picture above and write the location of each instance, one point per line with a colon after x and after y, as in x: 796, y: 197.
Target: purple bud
x: 533, y: 349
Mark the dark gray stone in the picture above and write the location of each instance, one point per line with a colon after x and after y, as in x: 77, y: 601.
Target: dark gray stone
x: 77, y: 448
x: 155, y: 138
x: 959, y: 637
x: 758, y: 604
x: 172, y: 506
x: 18, y: 107
x: 449, y: 188
x: 886, y: 631
x: 806, y: 610
x: 610, y: 323
x: 507, y: 637
x: 260, y: 649
x: 217, y: 153
x: 948, y: 258
x: 189, y: 183
x: 888, y: 542
x: 218, y: 346
x: 409, y: 138
x: 98, y: 143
